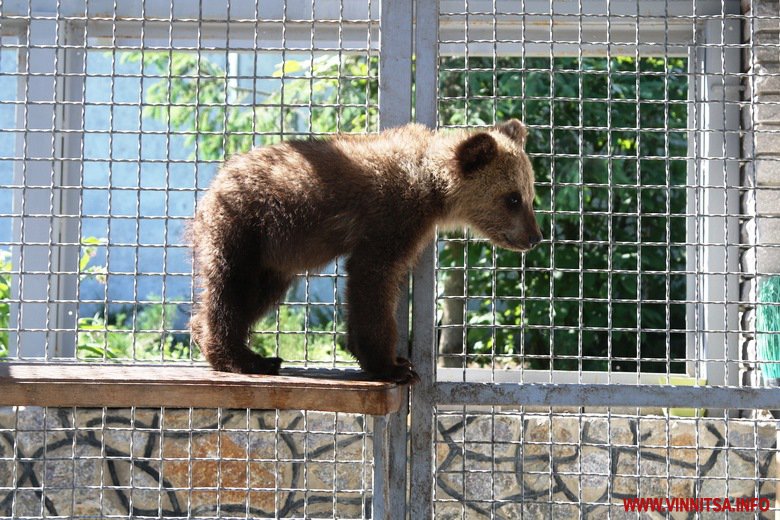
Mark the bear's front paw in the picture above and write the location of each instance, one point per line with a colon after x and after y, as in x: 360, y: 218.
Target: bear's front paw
x: 402, y: 373
x: 248, y: 363
x: 263, y: 365
x: 403, y: 362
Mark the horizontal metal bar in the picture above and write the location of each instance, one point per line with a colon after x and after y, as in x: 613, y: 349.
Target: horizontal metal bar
x: 511, y: 394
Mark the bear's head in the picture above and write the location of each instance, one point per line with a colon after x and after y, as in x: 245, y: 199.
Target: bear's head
x: 495, y: 186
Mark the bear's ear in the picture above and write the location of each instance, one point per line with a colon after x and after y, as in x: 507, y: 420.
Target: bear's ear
x: 515, y: 130
x: 475, y: 152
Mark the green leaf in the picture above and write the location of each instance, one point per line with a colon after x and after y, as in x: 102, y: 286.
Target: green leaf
x: 289, y: 67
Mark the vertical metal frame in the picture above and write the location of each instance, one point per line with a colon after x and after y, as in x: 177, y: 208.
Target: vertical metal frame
x: 424, y: 296
x: 395, y: 109
x: 714, y: 122
x: 44, y: 309
x: 715, y: 67
x: 68, y: 189
x: 719, y: 135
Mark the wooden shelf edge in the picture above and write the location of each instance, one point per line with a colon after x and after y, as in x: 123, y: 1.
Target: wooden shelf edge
x: 90, y: 385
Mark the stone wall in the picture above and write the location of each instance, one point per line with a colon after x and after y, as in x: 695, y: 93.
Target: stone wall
x: 761, y: 120
x: 210, y: 463
x: 204, y: 463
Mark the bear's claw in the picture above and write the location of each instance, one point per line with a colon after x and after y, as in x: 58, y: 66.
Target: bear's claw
x: 401, y: 373
x: 251, y: 364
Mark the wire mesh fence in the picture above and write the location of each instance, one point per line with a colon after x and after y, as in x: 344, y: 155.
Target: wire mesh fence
x: 544, y: 462
x: 115, y: 117
x: 636, y: 119
x: 653, y: 134
x: 118, y: 118
x: 165, y: 463
x: 653, y: 192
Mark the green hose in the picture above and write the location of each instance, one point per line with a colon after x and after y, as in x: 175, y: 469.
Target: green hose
x: 768, y: 329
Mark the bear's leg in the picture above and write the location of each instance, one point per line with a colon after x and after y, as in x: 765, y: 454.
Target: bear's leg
x: 229, y: 306
x: 372, y: 297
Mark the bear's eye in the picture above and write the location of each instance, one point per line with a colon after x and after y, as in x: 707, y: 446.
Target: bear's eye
x: 513, y: 200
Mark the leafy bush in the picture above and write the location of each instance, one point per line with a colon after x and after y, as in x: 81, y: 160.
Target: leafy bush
x: 610, y: 170
x: 344, y: 92
x: 140, y: 334
x: 289, y: 339
x: 5, y: 296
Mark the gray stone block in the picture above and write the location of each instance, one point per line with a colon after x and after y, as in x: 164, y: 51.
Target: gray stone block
x: 764, y: 8
x: 767, y: 38
x: 766, y: 113
x: 768, y: 171
x: 767, y: 141
x: 768, y: 97
x: 768, y: 200
x: 768, y: 231
x: 768, y: 260
x: 765, y: 24
x: 766, y: 54
x: 768, y: 244
x: 766, y: 81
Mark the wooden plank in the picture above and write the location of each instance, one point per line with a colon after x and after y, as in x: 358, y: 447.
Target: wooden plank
x: 120, y: 386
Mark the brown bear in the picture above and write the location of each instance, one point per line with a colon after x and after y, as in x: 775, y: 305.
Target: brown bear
x: 279, y: 210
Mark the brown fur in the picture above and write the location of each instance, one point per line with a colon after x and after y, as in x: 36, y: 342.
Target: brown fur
x: 283, y: 209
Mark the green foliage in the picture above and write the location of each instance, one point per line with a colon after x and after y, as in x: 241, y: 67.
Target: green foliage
x: 324, y: 95
x: 289, y: 338
x: 609, y: 152
x: 610, y: 163
x: 142, y: 334
x: 5, y: 296
x: 89, y: 250
x: 768, y: 326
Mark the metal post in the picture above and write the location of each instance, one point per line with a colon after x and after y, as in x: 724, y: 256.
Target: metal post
x: 66, y: 239
x: 380, y: 502
x: 424, y: 296
x: 395, y: 109
x: 720, y: 152
x: 44, y: 311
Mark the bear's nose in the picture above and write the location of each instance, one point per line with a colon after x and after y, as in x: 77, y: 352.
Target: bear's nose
x: 534, y: 240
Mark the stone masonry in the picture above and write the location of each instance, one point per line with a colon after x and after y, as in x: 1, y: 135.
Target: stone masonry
x: 92, y: 463
x: 761, y: 142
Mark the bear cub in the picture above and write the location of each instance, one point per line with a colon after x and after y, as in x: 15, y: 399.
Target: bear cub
x: 279, y: 210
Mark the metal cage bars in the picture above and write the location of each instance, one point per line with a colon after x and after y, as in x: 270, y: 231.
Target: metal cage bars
x: 713, y: 45
x: 46, y: 239
x: 59, y: 199
x: 714, y: 143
